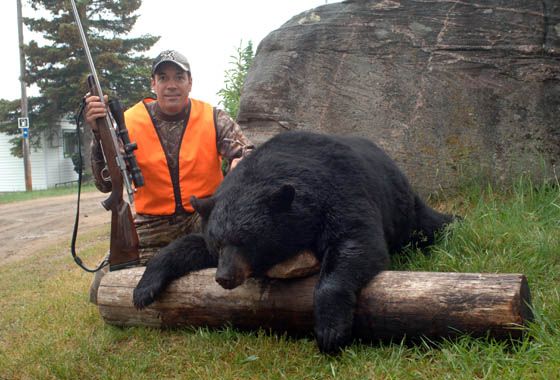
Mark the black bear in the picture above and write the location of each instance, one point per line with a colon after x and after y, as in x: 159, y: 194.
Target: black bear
x: 340, y: 197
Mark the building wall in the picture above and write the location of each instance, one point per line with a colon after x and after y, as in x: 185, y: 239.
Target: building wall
x: 49, y: 167
x: 11, y: 168
x: 57, y: 168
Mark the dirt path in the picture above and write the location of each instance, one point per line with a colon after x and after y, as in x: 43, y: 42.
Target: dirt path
x: 29, y: 226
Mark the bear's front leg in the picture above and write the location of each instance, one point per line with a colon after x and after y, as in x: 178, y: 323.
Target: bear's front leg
x: 181, y: 256
x: 345, y: 270
x: 334, y: 314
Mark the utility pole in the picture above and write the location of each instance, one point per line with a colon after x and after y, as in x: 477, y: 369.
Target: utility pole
x: 24, y: 113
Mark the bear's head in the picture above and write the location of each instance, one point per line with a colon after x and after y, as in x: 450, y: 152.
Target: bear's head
x: 248, y: 230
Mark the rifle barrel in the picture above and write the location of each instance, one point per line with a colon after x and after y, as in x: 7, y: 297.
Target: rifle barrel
x: 86, y: 48
x: 90, y: 59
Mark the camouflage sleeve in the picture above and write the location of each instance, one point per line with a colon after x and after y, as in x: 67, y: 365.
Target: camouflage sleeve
x: 98, y: 167
x: 230, y: 139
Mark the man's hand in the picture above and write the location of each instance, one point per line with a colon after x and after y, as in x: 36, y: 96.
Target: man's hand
x: 234, y: 163
x: 94, y: 110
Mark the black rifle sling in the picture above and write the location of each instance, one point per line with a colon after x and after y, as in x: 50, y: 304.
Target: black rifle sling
x: 79, y: 116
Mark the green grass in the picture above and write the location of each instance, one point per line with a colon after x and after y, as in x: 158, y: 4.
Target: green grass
x: 17, y: 196
x: 48, y: 330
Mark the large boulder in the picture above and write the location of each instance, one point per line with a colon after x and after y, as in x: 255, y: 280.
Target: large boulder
x: 452, y: 90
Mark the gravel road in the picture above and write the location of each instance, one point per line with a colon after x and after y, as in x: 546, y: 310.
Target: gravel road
x: 29, y: 226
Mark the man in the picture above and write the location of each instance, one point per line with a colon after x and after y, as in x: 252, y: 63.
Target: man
x: 180, y: 144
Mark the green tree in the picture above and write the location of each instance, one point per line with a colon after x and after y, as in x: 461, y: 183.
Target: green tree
x: 58, y: 66
x: 235, y: 77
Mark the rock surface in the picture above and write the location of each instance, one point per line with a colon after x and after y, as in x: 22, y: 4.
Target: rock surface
x: 452, y: 90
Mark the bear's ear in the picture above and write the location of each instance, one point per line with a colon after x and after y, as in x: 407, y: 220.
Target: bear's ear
x: 282, y: 198
x: 203, y: 206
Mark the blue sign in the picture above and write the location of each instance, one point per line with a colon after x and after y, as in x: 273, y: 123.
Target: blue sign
x: 25, y: 132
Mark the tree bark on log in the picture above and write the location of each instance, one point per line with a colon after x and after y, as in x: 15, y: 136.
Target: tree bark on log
x: 392, y: 306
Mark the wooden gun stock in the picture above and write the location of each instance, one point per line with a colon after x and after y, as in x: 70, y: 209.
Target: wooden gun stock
x: 124, y: 239
x: 123, y: 251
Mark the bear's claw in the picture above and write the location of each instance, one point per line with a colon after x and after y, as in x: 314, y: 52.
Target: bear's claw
x: 143, y: 297
x: 331, y: 341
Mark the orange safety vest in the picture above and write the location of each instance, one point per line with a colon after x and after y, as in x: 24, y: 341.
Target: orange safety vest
x: 200, y: 171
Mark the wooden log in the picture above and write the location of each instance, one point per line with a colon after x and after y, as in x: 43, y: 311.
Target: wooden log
x: 393, y: 305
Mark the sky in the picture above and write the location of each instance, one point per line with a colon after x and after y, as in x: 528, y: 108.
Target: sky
x: 206, y: 32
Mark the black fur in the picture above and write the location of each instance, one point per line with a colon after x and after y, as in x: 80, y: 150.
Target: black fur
x: 341, y: 197
x: 181, y: 256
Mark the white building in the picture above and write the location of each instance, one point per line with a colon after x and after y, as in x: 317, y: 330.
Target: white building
x: 51, y: 165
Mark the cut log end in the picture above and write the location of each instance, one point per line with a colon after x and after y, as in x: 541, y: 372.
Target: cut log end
x: 393, y: 305
x: 523, y: 305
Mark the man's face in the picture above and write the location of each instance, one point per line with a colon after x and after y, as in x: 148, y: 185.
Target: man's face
x: 172, y: 87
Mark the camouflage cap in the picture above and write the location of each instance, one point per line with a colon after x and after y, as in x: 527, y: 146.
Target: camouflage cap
x: 171, y: 56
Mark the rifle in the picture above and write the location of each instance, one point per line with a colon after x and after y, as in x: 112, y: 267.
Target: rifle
x: 123, y: 251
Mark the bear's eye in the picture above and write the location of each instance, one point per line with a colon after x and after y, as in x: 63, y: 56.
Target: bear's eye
x: 235, y: 241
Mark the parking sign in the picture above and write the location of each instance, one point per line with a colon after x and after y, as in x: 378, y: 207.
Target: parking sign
x: 23, y: 122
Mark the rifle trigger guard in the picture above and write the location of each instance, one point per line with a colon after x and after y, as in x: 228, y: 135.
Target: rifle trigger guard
x: 105, y: 174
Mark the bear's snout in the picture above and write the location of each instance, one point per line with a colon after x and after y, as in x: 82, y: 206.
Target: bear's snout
x: 227, y: 283
x: 233, y: 269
